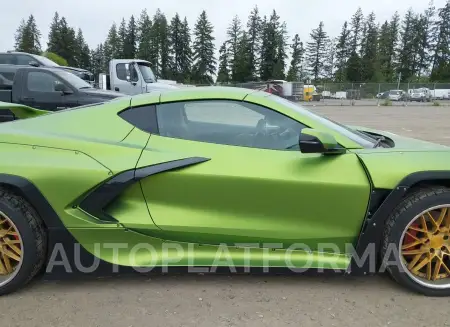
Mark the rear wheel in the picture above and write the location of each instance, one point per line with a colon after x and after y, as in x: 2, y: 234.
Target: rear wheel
x: 417, y: 242
x: 23, y: 242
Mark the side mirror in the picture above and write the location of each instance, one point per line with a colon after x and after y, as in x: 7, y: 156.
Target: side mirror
x: 62, y: 88
x: 314, y: 141
x: 33, y: 63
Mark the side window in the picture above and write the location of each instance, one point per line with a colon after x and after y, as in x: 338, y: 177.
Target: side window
x: 133, y: 74
x: 143, y: 117
x: 230, y: 123
x: 122, y: 72
x: 7, y: 59
x: 42, y: 82
x: 24, y: 60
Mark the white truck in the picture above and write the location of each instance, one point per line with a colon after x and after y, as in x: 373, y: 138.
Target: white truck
x: 440, y: 94
x: 421, y: 94
x: 132, y: 76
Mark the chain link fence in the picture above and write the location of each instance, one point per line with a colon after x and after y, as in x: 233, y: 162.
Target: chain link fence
x: 359, y: 93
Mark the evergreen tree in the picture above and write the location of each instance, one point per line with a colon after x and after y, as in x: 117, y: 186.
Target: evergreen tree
x: 54, y: 38
x: 369, y: 59
x: 62, y: 40
x: 204, y: 63
x: 185, y: 59
x: 161, y: 45
x: 357, y: 23
x: 243, y: 71
x: 254, y: 40
x: 316, y: 51
x: 164, y: 55
x: 129, y: 48
x: 424, y: 40
x: 177, y: 47
x: 121, y: 37
x: 18, y: 36
x: 234, y: 33
x: 98, y: 63
x: 297, y: 59
x: 384, y: 53
x: 144, y: 31
x: 111, y: 48
x: 223, y: 75
x: 330, y: 59
x: 353, y: 71
x: 82, y: 55
x: 268, y: 50
x: 441, y: 58
x: 273, y: 48
x: 363, y: 39
x: 387, y: 46
x: 406, y: 56
x: 27, y: 38
x: 281, y: 55
x: 343, y: 50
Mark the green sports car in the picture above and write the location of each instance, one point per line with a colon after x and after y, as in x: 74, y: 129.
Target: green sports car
x: 218, y: 177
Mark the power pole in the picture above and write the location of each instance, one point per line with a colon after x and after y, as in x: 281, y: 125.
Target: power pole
x: 399, y: 79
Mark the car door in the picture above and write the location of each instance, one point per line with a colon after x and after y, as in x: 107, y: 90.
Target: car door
x: 127, y: 79
x: 39, y: 90
x: 231, y: 172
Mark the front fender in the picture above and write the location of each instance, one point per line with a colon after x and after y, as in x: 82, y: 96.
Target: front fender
x: 388, y: 169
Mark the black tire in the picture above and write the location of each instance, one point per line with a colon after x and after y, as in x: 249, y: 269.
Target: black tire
x: 34, y: 239
x: 411, y: 206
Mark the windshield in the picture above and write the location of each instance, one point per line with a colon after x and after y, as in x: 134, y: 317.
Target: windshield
x: 356, y: 136
x: 46, y: 61
x: 73, y: 80
x: 147, y: 72
x: 84, y: 76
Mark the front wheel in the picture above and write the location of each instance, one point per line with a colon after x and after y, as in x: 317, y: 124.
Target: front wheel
x: 23, y: 242
x: 416, y: 246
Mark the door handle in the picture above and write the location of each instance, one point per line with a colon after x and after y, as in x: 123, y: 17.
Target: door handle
x: 28, y: 98
x: 116, y: 89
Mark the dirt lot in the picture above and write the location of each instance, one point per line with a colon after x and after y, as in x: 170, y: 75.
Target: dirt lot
x: 240, y: 300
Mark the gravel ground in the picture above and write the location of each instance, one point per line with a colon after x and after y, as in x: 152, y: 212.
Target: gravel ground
x: 242, y: 300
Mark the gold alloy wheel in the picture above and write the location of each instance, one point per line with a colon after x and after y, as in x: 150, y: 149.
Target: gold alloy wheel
x: 11, y: 249
x: 425, y: 247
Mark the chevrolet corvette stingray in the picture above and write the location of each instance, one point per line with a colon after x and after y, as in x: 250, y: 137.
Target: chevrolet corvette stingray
x: 219, y: 176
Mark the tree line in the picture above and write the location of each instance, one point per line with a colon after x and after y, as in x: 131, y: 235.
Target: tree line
x: 415, y: 47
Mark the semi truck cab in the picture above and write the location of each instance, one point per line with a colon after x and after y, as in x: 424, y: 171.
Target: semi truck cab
x: 131, y: 77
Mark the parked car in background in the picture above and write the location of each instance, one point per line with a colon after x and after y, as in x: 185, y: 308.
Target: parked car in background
x: 46, y: 88
x: 24, y: 58
x: 421, y: 94
x: 383, y: 95
x: 397, y: 95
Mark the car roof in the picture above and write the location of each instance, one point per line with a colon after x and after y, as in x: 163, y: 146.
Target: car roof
x: 206, y: 92
x: 9, y: 67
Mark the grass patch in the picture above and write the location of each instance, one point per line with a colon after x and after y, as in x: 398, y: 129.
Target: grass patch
x: 386, y: 103
x: 436, y: 104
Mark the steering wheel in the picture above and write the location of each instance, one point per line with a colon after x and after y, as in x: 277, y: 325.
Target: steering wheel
x: 249, y: 139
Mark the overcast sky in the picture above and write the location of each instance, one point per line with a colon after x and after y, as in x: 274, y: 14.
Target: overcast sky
x: 95, y: 17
